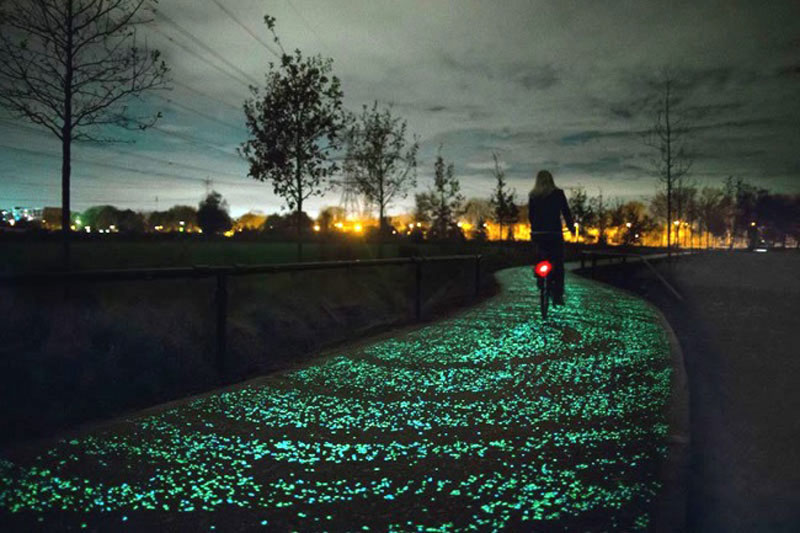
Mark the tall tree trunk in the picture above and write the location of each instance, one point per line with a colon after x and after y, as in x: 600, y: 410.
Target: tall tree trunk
x: 299, y: 232
x: 66, y: 171
x: 381, y: 227
x: 66, y: 148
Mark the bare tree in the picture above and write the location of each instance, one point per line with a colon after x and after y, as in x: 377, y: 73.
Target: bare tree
x: 668, y: 138
x: 382, y: 159
x: 600, y: 215
x: 70, y: 65
x: 502, y: 199
x: 441, y: 203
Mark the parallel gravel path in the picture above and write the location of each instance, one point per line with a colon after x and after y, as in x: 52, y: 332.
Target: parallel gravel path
x: 489, y: 419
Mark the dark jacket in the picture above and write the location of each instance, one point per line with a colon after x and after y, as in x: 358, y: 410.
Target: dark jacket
x: 545, y: 213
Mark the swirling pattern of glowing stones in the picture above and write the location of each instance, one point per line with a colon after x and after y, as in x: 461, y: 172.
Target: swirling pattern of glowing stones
x: 489, y: 419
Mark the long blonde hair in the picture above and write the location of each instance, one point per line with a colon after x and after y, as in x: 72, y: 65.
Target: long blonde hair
x: 544, y: 184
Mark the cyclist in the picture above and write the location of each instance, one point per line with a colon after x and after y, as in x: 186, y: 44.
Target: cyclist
x: 546, y: 204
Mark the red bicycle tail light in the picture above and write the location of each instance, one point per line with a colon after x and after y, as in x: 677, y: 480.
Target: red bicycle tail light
x: 543, y: 268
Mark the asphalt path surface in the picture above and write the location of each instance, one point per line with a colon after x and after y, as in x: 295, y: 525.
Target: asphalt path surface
x: 738, y: 327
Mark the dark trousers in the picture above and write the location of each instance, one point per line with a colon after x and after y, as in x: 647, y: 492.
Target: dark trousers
x: 552, y: 249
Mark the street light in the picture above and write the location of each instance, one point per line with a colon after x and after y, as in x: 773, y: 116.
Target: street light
x: 628, y: 225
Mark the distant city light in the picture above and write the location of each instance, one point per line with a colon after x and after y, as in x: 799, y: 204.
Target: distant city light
x: 357, y: 227
x: 628, y: 225
x: 316, y: 227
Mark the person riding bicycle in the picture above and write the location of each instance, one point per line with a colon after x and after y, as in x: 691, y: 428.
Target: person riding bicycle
x: 546, y: 204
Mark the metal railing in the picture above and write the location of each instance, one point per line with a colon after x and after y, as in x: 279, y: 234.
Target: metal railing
x: 622, y: 257
x: 221, y: 273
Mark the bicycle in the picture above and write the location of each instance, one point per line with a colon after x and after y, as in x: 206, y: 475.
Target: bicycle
x: 541, y: 271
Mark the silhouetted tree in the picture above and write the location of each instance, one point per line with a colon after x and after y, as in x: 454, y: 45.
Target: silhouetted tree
x: 109, y: 217
x: 633, y: 221
x: 710, y: 212
x: 600, y: 215
x: 740, y: 200
x: 171, y: 219
x: 476, y: 209
x: 68, y: 65
x: 668, y: 138
x: 328, y: 216
x: 423, y: 208
x: 580, y: 207
x: 295, y: 124
x: 479, y: 234
x: 212, y: 214
x: 502, y: 200
x: 443, y: 200
x: 383, y: 161
x: 252, y: 221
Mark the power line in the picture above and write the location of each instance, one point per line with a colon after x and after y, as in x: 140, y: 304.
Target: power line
x: 206, y: 95
x: 200, y: 57
x: 196, y: 141
x: 114, y: 167
x: 201, y: 114
x: 205, y: 47
x: 305, y: 21
x: 248, y: 30
x: 98, y: 201
x: 131, y: 154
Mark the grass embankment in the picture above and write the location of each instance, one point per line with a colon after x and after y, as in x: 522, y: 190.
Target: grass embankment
x: 95, y: 350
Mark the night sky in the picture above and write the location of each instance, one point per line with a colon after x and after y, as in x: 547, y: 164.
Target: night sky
x: 557, y: 85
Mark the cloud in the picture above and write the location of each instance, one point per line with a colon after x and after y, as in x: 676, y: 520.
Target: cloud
x: 558, y: 85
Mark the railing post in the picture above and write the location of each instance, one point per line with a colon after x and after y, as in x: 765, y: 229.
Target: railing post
x: 594, y: 263
x: 222, y: 320
x: 583, y: 261
x: 418, y: 298
x: 477, y: 275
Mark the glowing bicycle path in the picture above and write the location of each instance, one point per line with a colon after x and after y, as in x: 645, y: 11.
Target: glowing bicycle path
x: 485, y: 420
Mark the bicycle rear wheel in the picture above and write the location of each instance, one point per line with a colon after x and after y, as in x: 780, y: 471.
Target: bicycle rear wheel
x: 544, y: 298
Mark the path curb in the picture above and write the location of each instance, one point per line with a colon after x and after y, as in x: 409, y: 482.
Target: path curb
x: 670, y: 506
